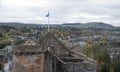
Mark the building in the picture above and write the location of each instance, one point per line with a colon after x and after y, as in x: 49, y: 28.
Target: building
x: 48, y: 55
x: 4, y: 55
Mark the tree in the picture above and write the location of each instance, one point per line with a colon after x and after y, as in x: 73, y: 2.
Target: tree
x: 100, y: 54
x: 103, y: 61
x: 1, y: 35
x: 1, y: 65
x: 2, y: 46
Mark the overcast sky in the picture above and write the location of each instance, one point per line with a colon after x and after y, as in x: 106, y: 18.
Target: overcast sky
x: 61, y: 11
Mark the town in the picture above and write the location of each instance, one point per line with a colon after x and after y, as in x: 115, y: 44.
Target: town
x: 64, y: 48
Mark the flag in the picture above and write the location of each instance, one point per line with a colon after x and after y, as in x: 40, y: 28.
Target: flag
x: 47, y: 15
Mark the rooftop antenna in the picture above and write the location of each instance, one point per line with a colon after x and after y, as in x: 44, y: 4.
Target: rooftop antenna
x: 48, y: 15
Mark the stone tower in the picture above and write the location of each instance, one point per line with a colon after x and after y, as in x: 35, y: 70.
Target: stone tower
x: 48, y: 55
x: 36, y: 56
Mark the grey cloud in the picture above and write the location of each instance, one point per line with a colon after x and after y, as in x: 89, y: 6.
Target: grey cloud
x: 66, y: 11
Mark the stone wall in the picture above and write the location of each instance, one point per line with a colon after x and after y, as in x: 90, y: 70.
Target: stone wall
x: 80, y: 67
x: 28, y: 63
x: 75, y: 65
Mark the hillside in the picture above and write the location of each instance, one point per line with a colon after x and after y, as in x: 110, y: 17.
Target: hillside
x: 100, y: 25
x: 13, y: 24
x: 90, y: 25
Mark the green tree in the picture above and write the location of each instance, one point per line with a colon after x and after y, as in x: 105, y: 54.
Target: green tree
x: 1, y: 65
x: 100, y: 54
x: 1, y: 35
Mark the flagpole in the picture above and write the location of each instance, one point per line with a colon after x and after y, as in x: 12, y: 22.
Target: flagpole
x: 48, y: 21
x: 48, y: 24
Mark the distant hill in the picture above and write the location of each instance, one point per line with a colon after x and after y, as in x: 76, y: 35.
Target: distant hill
x: 100, y: 25
x: 90, y: 25
x: 13, y: 24
x: 71, y: 24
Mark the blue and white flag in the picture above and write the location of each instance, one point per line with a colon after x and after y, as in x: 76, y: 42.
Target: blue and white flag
x: 47, y: 15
